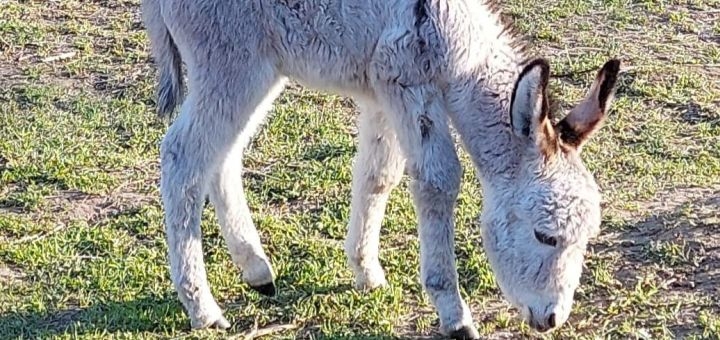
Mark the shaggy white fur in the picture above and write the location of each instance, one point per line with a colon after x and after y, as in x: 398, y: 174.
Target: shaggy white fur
x: 414, y: 67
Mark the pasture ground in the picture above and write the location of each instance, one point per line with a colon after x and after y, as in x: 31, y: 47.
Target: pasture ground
x: 82, y: 251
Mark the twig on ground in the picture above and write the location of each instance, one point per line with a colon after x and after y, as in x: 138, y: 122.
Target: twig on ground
x: 261, y: 174
x: 252, y: 332
x: 39, y: 236
x: 570, y: 74
x: 271, y: 329
x: 256, y: 332
x: 59, y: 57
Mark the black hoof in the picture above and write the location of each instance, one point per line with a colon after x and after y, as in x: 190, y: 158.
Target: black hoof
x: 465, y: 333
x: 267, y: 289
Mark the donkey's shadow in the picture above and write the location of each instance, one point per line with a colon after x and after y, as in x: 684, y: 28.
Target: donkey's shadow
x: 140, y: 315
x: 154, y: 313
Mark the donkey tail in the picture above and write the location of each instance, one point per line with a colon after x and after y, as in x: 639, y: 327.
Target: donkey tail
x: 167, y: 58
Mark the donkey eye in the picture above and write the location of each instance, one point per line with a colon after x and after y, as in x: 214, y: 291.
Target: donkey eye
x: 545, y: 239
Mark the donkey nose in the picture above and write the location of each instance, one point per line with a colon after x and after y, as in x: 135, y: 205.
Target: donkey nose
x: 543, y: 323
x: 551, y: 320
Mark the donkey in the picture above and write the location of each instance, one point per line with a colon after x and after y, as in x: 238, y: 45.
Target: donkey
x: 414, y: 68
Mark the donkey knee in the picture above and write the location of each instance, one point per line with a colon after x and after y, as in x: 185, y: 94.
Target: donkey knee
x: 172, y: 153
x: 177, y: 170
x: 185, y: 159
x: 441, y: 177
x: 434, y: 164
x: 379, y: 165
x: 437, y: 281
x: 383, y: 183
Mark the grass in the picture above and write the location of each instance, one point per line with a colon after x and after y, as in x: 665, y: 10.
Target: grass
x: 82, y: 251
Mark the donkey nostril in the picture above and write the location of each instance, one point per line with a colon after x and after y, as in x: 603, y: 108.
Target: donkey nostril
x: 551, y: 321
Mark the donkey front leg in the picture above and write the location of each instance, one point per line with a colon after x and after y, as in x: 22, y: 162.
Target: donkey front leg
x: 418, y: 116
x: 377, y: 170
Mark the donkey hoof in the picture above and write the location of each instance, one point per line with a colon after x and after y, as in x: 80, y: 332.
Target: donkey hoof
x: 221, y: 323
x: 370, y: 280
x: 369, y: 285
x: 464, y: 333
x: 267, y: 289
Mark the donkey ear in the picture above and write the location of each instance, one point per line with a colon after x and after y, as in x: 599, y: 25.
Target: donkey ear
x: 587, y: 117
x: 529, y: 107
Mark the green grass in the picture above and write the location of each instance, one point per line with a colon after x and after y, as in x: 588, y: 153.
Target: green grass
x: 82, y: 251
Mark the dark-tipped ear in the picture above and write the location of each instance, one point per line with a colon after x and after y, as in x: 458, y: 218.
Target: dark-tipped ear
x: 587, y: 117
x: 529, y: 107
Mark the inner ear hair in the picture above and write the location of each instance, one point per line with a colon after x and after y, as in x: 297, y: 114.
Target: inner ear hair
x: 588, y: 116
x: 524, y: 91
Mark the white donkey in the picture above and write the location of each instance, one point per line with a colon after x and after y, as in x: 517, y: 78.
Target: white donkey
x: 413, y: 67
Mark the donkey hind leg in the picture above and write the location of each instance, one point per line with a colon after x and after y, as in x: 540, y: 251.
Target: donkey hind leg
x: 377, y: 170
x: 209, y: 122
x: 418, y: 116
x: 228, y: 197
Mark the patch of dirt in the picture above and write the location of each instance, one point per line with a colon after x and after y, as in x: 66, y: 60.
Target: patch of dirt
x: 683, y: 214
x: 76, y: 205
x: 670, y: 201
x: 10, y: 275
x: 72, y: 205
x: 680, y: 235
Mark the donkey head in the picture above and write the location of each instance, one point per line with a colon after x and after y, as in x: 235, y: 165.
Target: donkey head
x: 536, y: 230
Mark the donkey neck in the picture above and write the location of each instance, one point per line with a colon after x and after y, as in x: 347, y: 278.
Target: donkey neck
x: 481, y: 117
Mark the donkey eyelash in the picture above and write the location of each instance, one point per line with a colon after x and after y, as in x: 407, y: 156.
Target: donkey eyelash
x: 545, y: 239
